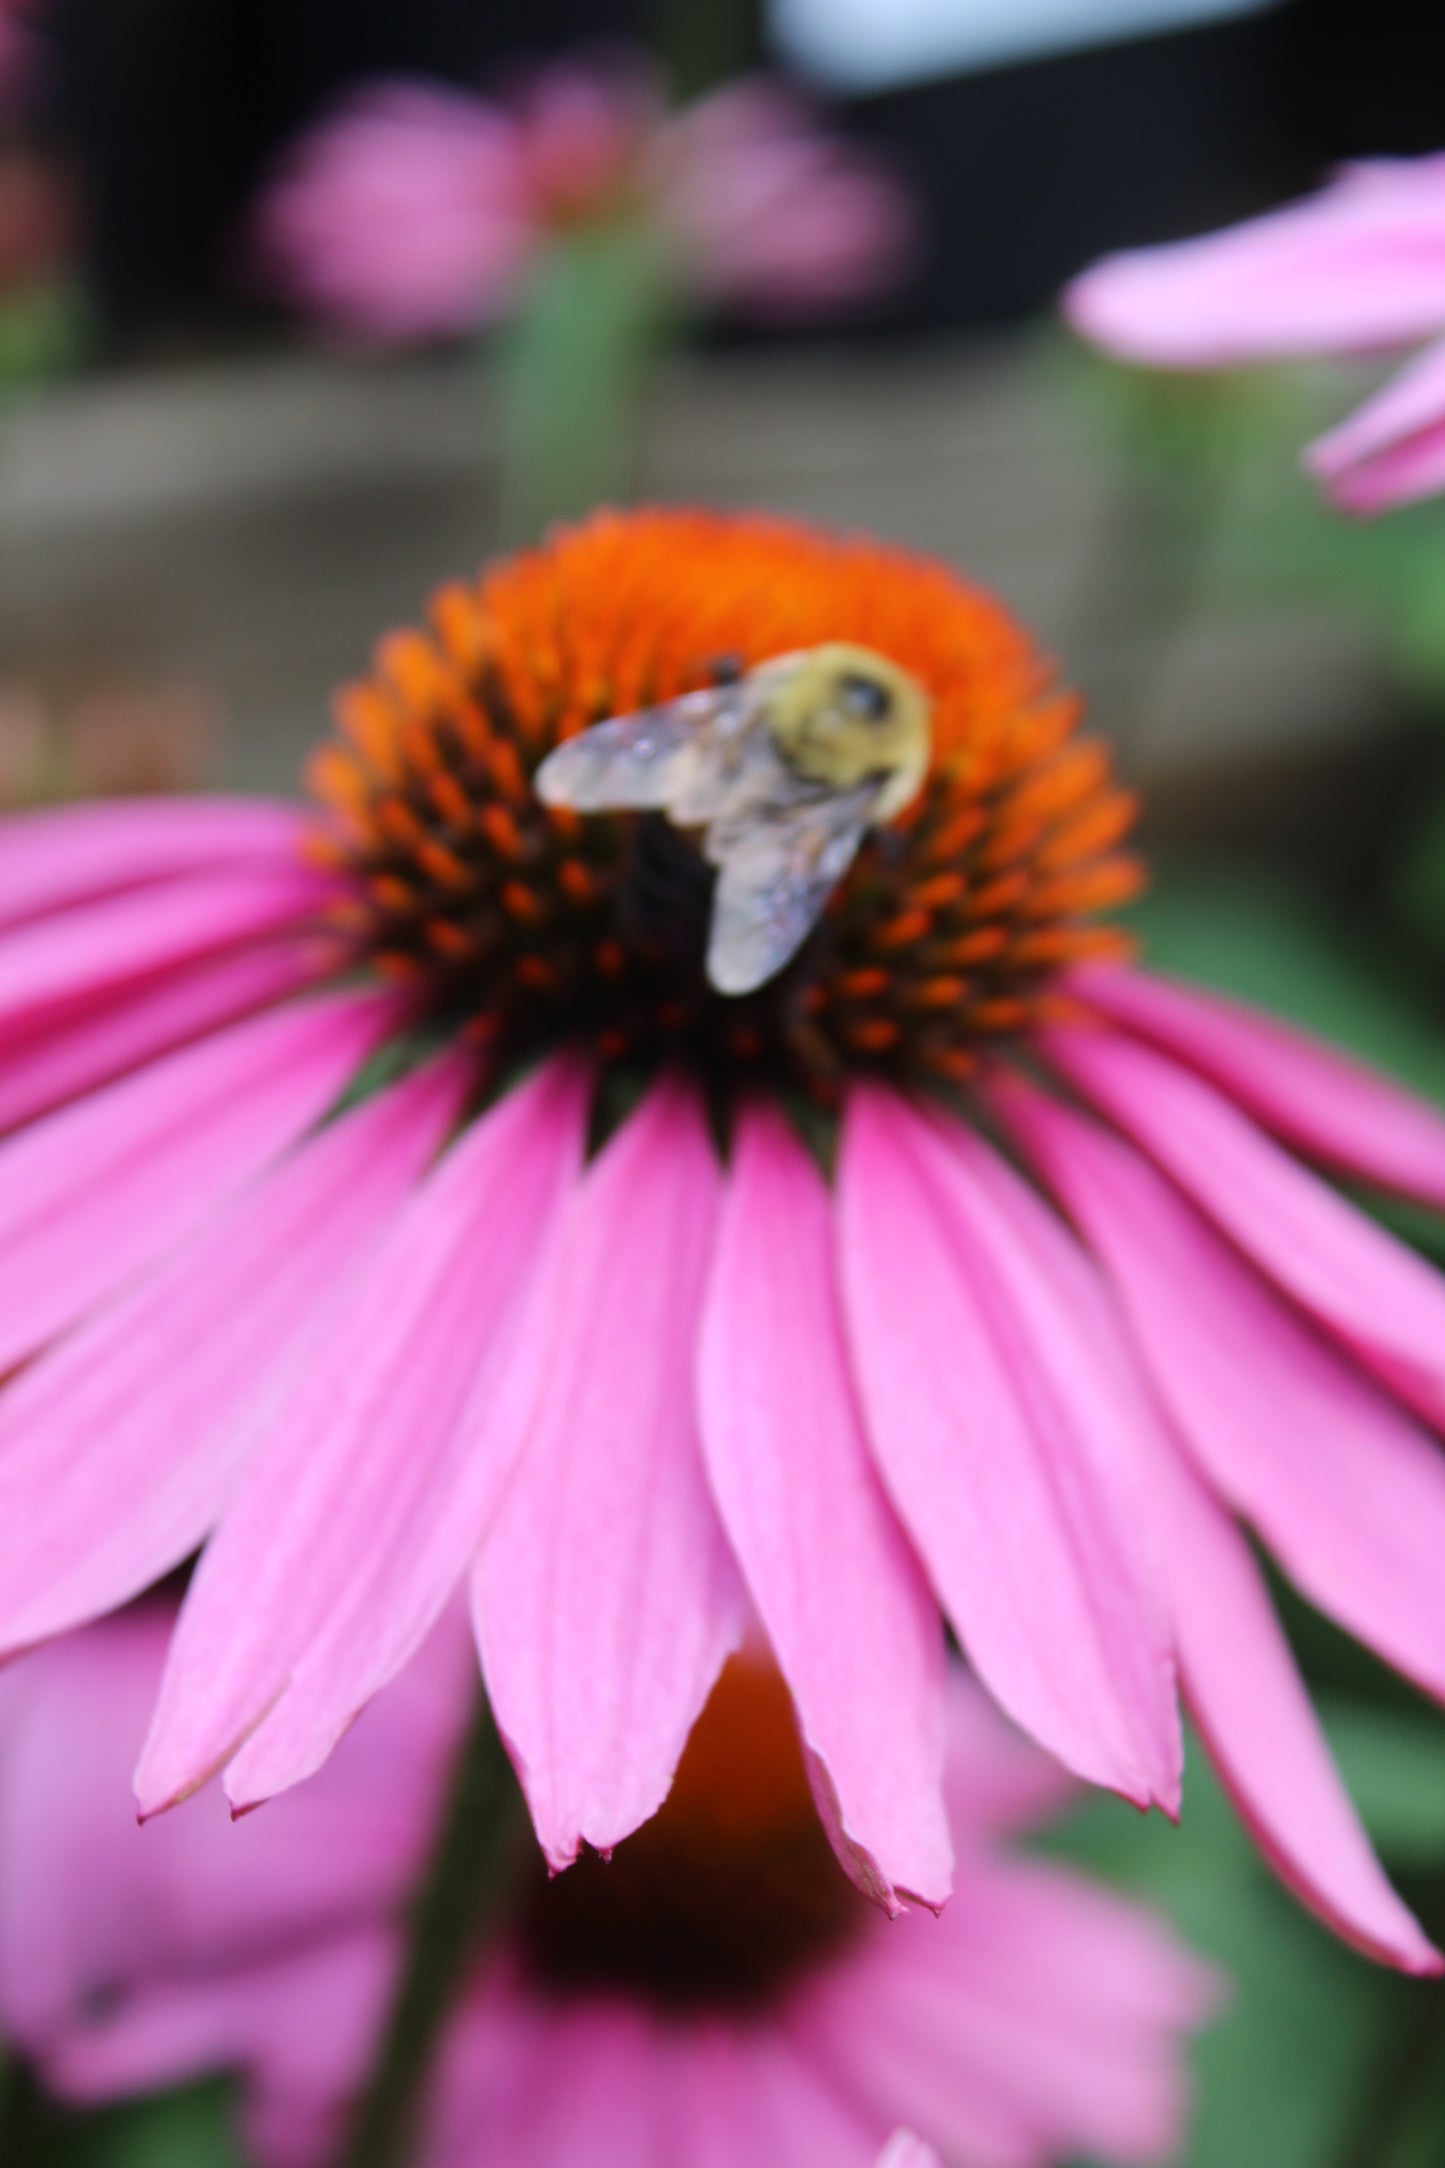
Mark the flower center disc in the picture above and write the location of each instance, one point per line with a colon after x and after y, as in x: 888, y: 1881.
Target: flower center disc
x: 528, y: 925
x: 727, y: 1893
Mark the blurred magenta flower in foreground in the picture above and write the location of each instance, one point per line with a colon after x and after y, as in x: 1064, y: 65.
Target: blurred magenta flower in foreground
x: 414, y: 209
x: 1357, y: 268
x: 716, y: 1994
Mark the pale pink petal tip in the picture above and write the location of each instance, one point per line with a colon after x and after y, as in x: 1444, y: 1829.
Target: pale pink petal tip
x: 903, y: 2150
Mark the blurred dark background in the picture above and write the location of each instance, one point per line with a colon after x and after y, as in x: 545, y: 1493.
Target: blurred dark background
x: 172, y: 108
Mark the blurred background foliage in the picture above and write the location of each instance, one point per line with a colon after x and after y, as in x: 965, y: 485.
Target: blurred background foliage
x: 140, y: 526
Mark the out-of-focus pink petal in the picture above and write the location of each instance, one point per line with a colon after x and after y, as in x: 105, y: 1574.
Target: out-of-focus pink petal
x: 120, y: 1444
x: 1333, y: 1108
x: 999, y: 1447
x: 75, y: 957
x: 359, y: 1511
x: 849, y: 1616
x: 903, y: 2150
x: 1045, y: 2013
x: 399, y: 1489
x: 94, y: 1193
x: 67, y: 1055
x: 1391, y: 450
x: 996, y: 1781
x: 771, y: 212
x: 1359, y: 265
x: 1382, y: 1299
x: 403, y: 214
x: 1255, y: 1718
x: 76, y: 853
x: 95, y: 1912
x: 606, y: 1598
x: 1345, y: 1491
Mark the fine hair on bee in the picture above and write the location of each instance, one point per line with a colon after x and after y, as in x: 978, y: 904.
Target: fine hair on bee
x: 776, y: 774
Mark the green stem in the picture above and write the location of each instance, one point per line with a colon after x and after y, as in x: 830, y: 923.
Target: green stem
x: 576, y: 367
x: 458, y: 1892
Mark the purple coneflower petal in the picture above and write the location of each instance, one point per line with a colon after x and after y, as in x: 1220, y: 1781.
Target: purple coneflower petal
x: 1391, y: 450
x: 850, y: 1618
x: 120, y: 1444
x: 903, y: 2150
x: 95, y: 1192
x: 396, y: 1502
x: 77, y: 853
x: 1255, y: 1716
x: 92, y: 1045
x: 1344, y: 1489
x: 996, y: 1443
x: 1376, y: 1294
x: 310, y: 1588
x: 79, y: 956
x: 1333, y: 1108
x: 606, y: 1597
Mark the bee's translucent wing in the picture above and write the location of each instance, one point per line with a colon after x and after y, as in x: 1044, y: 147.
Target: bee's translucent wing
x: 642, y: 762
x: 776, y: 872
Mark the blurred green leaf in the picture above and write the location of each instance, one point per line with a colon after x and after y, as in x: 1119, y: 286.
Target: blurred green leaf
x: 177, y: 2130
x: 42, y: 332
x: 1393, y: 1761
x: 1418, y: 888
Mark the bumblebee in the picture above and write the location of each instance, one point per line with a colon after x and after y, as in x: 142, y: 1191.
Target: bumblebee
x: 779, y: 774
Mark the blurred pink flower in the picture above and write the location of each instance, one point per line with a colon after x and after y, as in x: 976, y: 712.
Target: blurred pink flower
x: 413, y: 209
x: 1356, y: 268
x: 17, y: 50
x: 717, y: 1993
x: 371, y: 1346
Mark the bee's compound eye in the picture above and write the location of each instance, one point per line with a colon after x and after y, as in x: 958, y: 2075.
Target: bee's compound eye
x: 865, y: 698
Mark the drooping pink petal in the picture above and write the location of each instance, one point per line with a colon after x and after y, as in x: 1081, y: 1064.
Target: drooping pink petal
x: 1347, y: 1493
x: 360, y: 1510
x: 1335, y: 1109
x: 1391, y: 450
x: 997, y: 1444
x: 606, y: 1598
x: 92, y: 1194
x: 63, y: 963
x: 1255, y: 1718
x: 64, y: 1056
x: 1235, y: 1667
x: 120, y: 1444
x: 1382, y: 1299
x: 75, y: 854
x: 474, y: 1256
x: 1359, y: 265
x: 850, y: 1618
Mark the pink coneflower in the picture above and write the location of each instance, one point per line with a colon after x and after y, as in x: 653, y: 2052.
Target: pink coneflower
x: 1358, y: 268
x: 716, y: 1994
x: 414, y: 210
x: 394, y: 1203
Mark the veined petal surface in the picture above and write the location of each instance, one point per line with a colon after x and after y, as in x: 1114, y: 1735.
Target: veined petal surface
x: 120, y: 1444
x: 310, y: 1584
x: 606, y: 1598
x: 850, y: 1618
x: 1382, y: 1299
x: 1332, y: 1108
x: 1345, y: 1490
x: 996, y: 1443
x: 92, y: 1194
